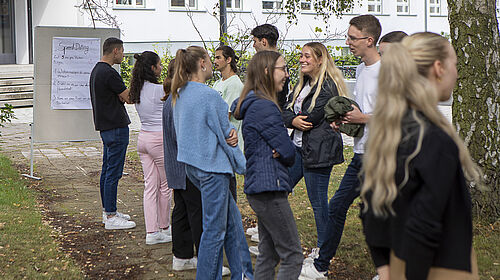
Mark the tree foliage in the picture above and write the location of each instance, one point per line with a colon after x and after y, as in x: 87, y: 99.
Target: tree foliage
x: 324, y: 8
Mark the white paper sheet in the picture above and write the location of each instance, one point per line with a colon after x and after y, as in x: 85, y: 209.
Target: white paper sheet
x: 72, y: 61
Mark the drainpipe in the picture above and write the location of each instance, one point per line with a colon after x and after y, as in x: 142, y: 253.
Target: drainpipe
x: 30, y: 31
x: 425, y: 14
x: 223, y: 21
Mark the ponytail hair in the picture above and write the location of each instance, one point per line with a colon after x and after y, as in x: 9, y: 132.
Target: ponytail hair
x: 228, y: 52
x: 186, y: 64
x: 327, y: 69
x: 404, y: 85
x: 142, y: 72
x: 167, y: 83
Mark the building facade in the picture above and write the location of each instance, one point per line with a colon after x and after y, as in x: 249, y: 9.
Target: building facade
x: 149, y: 24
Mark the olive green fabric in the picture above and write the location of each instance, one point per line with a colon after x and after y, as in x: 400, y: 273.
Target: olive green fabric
x: 335, y: 110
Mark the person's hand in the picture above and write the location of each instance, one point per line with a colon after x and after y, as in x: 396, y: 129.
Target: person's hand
x: 232, y: 140
x: 300, y: 123
x: 354, y: 116
x: 335, y: 126
x: 275, y: 154
x: 121, y: 99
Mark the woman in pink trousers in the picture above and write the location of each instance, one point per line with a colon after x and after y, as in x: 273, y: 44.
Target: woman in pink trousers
x: 146, y: 93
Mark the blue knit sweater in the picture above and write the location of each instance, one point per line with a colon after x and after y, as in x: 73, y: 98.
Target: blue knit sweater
x: 202, y: 126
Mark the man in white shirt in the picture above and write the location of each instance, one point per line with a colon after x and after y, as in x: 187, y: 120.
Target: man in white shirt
x: 362, y: 37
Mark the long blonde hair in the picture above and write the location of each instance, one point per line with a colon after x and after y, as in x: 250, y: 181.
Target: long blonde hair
x: 258, y: 79
x: 403, y: 85
x: 185, y: 65
x: 327, y: 69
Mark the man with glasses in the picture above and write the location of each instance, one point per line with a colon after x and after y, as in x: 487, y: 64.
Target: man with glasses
x: 362, y: 37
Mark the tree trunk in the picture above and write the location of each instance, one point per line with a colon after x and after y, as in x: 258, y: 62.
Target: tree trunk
x: 476, y: 106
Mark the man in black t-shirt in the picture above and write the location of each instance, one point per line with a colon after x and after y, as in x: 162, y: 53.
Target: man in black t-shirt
x: 108, y: 94
x: 264, y: 38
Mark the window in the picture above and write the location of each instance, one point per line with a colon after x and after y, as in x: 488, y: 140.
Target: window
x: 271, y: 5
x: 375, y: 6
x: 129, y: 3
x: 183, y: 3
x: 435, y: 7
x: 305, y: 5
x: 403, y: 7
x: 233, y: 4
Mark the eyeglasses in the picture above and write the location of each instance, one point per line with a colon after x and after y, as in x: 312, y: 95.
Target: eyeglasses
x: 354, y: 39
x: 284, y: 68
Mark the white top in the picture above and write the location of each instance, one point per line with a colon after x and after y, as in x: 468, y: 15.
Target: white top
x: 365, y: 93
x: 297, y: 108
x: 151, y: 107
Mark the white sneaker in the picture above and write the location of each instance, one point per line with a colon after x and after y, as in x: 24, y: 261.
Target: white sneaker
x: 255, y: 238
x: 225, y: 271
x: 167, y: 231
x: 308, y: 260
x: 309, y: 271
x: 253, y: 230
x: 254, y: 250
x: 157, y: 237
x: 116, y: 222
x: 376, y: 277
x: 121, y: 215
x: 184, y: 264
x: 314, y: 253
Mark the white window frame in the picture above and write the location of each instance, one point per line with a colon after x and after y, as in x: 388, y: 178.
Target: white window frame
x: 133, y: 4
x: 309, y: 3
x: 404, y: 5
x: 185, y: 7
x: 435, y: 8
x: 377, y: 6
x: 233, y: 2
x: 277, y: 5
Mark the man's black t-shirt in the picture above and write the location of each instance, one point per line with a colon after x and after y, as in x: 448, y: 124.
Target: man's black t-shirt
x: 105, y: 86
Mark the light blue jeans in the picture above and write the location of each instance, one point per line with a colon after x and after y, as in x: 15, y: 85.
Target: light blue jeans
x: 221, y: 227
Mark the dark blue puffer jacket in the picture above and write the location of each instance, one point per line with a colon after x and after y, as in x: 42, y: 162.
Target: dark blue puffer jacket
x: 264, y: 131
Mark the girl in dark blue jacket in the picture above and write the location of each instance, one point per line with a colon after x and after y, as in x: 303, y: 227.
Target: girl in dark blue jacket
x: 269, y: 151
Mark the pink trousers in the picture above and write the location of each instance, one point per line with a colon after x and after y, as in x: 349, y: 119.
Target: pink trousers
x: 157, y: 195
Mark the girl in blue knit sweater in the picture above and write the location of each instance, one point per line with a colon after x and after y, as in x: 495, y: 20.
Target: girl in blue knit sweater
x: 207, y: 144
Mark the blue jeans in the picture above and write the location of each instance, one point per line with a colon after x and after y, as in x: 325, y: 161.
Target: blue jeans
x: 337, y: 212
x: 222, y: 227
x: 317, y: 180
x: 114, y: 143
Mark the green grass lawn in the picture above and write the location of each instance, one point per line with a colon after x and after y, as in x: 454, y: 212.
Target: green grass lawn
x: 352, y: 256
x: 27, y: 249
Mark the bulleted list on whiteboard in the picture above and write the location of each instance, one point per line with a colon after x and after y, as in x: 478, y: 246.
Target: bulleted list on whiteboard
x: 72, y: 61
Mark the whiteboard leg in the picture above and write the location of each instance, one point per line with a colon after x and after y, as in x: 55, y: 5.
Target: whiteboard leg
x: 31, y: 157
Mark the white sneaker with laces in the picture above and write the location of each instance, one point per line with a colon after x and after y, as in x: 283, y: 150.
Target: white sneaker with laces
x: 116, y: 222
x: 167, y: 231
x: 157, y: 237
x: 255, y: 238
x: 309, y: 271
x: 252, y: 230
x: 184, y: 264
x: 254, y: 250
x: 225, y: 271
x: 121, y: 215
x: 308, y: 260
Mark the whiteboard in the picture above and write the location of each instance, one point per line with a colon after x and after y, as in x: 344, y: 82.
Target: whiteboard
x: 72, y: 62
x: 52, y: 125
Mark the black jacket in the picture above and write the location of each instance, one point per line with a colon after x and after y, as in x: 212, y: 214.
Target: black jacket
x: 433, y: 222
x: 321, y: 145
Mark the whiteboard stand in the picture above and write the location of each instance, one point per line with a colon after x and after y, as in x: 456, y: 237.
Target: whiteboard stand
x: 31, y: 157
